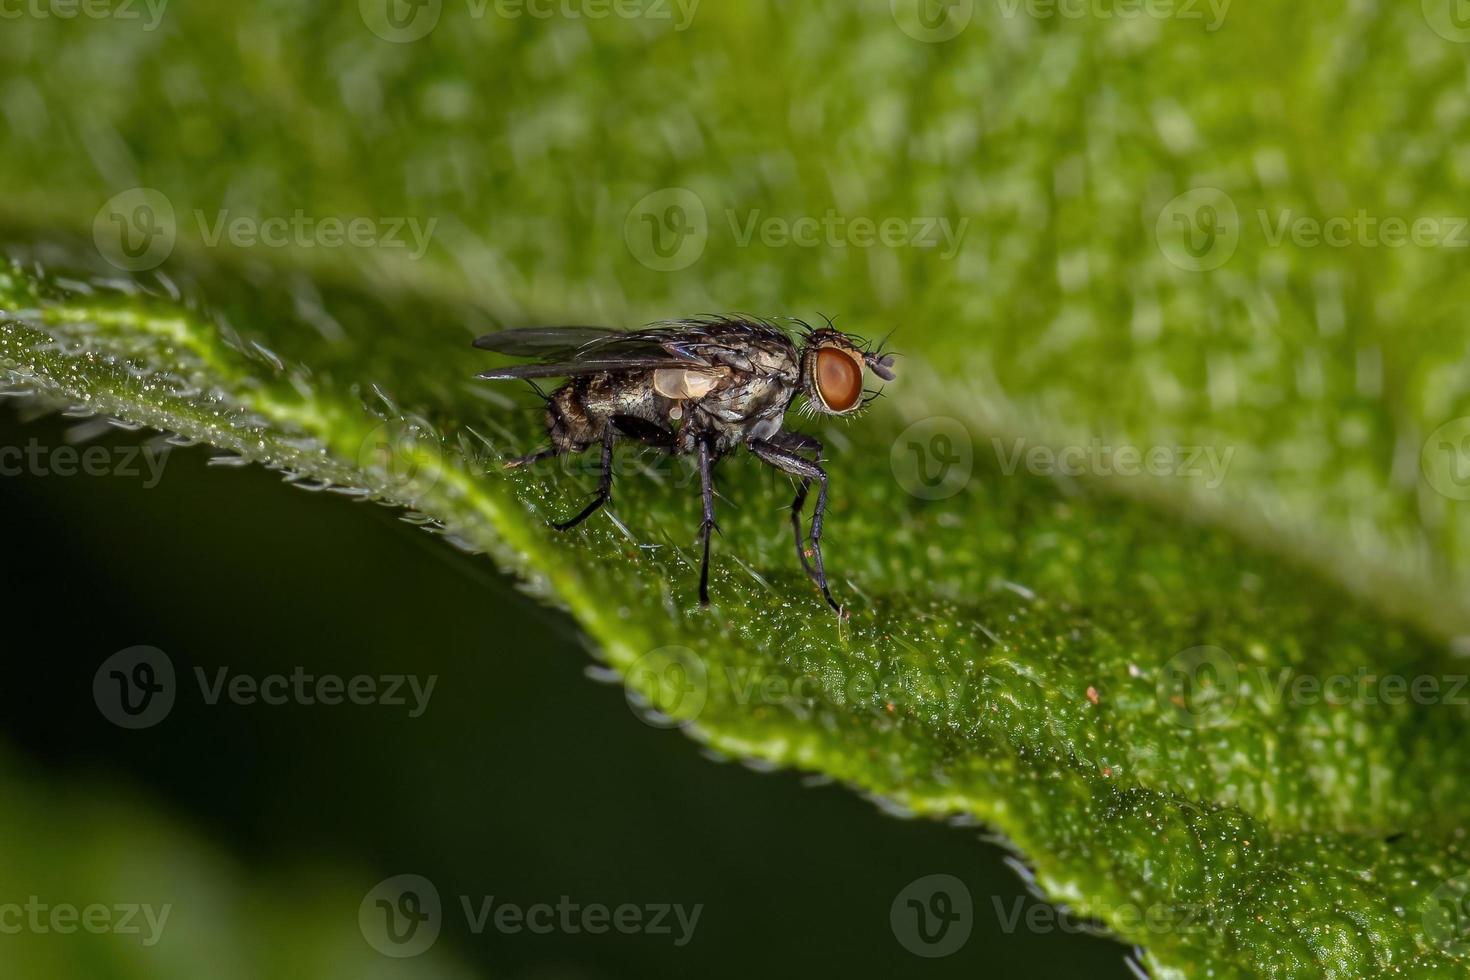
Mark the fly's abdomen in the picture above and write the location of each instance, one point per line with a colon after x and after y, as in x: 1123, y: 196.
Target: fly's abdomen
x: 579, y: 411
x: 568, y: 422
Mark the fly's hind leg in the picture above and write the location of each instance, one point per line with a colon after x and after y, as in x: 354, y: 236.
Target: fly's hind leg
x: 550, y: 452
x: 788, y: 461
x: 604, y: 483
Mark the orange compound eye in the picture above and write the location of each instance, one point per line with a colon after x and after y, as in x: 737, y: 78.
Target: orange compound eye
x: 839, y: 379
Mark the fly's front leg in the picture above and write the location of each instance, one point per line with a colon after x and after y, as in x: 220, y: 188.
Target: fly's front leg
x: 800, y: 442
x: 789, y: 462
x: 604, y: 483
x: 707, y: 526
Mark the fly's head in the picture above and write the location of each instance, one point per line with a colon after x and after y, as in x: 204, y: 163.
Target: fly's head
x: 834, y: 366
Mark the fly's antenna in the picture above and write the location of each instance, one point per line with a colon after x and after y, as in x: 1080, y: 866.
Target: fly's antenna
x: 884, y: 342
x: 880, y: 362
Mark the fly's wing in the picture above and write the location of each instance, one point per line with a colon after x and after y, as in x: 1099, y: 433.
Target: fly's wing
x: 542, y: 341
x: 563, y: 352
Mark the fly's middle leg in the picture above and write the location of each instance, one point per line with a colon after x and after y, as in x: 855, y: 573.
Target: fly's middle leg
x: 707, y: 526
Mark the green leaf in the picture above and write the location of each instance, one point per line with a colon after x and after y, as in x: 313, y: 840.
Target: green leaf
x: 1013, y: 652
x: 1176, y: 696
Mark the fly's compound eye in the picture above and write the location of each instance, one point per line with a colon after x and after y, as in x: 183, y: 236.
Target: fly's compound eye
x: 839, y: 379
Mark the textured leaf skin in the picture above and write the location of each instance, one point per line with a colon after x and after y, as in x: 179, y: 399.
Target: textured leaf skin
x: 1288, y: 839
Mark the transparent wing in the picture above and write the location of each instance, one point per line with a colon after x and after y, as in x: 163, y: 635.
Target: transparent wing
x: 563, y: 352
x: 567, y: 351
x: 543, y: 341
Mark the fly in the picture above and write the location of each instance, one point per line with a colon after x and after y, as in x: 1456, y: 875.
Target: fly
x: 702, y: 387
